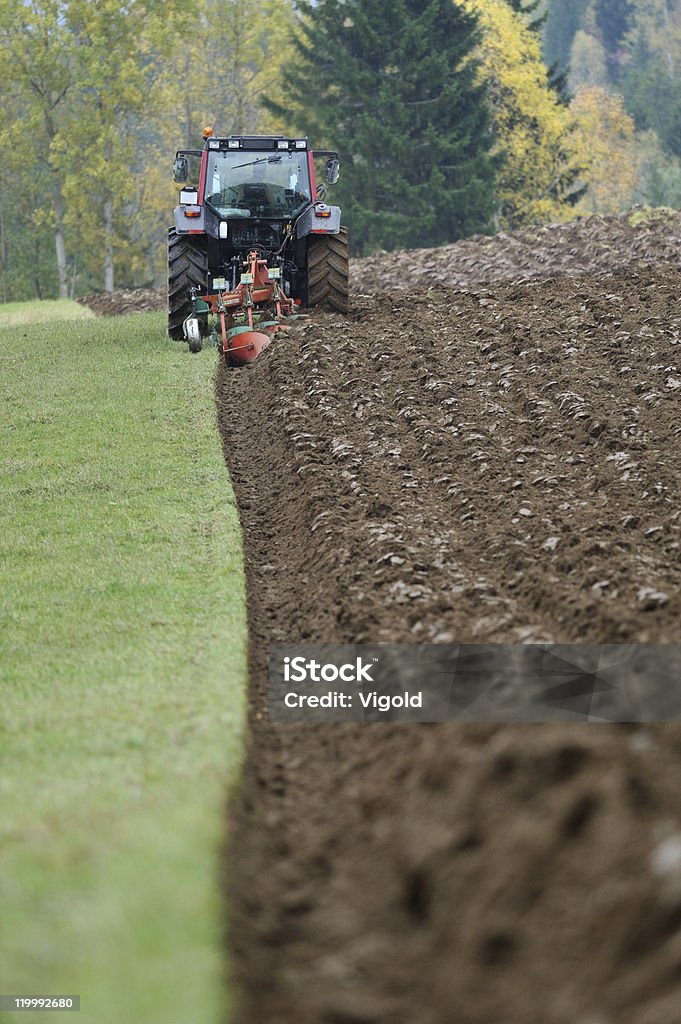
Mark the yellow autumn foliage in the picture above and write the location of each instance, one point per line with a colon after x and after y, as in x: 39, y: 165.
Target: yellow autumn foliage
x: 533, y: 129
x: 605, y: 138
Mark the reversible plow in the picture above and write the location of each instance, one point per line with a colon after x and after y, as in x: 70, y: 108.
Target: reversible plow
x: 253, y: 242
x: 243, y: 321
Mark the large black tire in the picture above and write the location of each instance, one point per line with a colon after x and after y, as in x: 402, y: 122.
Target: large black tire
x: 187, y: 268
x: 328, y: 283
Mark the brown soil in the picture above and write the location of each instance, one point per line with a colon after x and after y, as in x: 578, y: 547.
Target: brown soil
x: 590, y: 245
x: 137, y: 300
x: 494, y: 464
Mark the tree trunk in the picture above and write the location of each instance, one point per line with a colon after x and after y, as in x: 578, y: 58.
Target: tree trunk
x: 667, y: 33
x: 3, y: 250
x: 36, y: 279
x: 59, y: 244
x: 188, y: 125
x: 108, y: 246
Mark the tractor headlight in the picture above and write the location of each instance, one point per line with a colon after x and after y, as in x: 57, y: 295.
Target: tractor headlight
x: 232, y: 143
x: 282, y: 144
x: 213, y: 143
x: 301, y: 144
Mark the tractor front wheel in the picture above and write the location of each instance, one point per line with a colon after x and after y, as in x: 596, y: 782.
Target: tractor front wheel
x: 328, y: 271
x: 187, y: 269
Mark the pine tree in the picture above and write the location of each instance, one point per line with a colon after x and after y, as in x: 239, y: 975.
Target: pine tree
x: 613, y: 18
x: 563, y: 19
x: 529, y: 8
x: 392, y: 85
x: 651, y: 78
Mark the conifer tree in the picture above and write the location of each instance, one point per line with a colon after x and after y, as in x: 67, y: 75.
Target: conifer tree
x: 613, y: 18
x: 563, y: 20
x: 530, y: 8
x: 393, y: 85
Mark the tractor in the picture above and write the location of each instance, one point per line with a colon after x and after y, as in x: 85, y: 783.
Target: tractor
x: 253, y: 243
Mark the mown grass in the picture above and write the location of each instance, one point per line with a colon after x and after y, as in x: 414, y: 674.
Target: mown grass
x: 14, y: 314
x: 122, y: 635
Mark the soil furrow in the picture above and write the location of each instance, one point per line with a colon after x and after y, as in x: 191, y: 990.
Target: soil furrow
x: 498, y: 464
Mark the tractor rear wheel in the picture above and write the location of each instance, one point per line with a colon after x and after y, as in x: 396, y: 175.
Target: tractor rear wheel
x: 187, y: 268
x: 328, y: 271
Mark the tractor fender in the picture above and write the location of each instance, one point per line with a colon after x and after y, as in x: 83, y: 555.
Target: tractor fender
x: 310, y: 222
x: 184, y: 224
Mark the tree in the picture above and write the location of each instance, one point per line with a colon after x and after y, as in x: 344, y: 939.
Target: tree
x: 587, y: 61
x: 395, y: 87
x: 532, y: 128
x: 36, y: 65
x: 613, y: 18
x: 659, y: 174
x: 96, y: 97
x: 229, y: 57
x: 605, y: 135
x: 535, y: 13
x: 119, y: 56
x: 227, y: 63
x: 563, y: 19
x: 651, y: 83
x: 27, y: 253
x: 532, y: 11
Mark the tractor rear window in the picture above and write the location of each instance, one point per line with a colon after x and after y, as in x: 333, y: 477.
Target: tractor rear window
x: 251, y: 184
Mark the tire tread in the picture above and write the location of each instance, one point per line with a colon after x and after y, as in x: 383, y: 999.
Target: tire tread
x: 328, y: 272
x: 187, y: 268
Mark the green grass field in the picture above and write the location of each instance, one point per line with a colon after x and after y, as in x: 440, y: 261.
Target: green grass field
x: 14, y: 314
x: 122, y: 667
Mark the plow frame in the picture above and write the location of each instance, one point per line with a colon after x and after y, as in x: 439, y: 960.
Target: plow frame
x: 248, y: 316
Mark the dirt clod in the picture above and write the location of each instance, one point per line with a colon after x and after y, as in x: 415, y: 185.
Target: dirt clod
x: 136, y: 300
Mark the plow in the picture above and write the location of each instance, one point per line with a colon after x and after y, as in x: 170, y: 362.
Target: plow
x: 253, y: 243
x: 245, y: 319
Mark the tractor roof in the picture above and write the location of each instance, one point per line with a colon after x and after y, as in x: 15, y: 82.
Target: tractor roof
x: 256, y: 142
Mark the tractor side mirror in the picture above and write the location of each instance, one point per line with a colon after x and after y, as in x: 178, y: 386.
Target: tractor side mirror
x: 181, y: 170
x: 332, y: 170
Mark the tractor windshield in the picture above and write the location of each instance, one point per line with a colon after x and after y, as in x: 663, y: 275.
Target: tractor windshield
x: 251, y: 184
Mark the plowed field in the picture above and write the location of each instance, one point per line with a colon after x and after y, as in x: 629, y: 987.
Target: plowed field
x: 495, y: 464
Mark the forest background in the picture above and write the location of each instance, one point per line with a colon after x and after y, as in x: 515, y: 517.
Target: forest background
x: 580, y: 99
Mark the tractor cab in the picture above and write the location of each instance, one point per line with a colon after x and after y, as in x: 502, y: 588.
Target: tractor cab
x: 256, y: 177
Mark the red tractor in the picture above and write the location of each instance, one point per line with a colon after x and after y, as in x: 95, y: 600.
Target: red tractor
x: 253, y: 241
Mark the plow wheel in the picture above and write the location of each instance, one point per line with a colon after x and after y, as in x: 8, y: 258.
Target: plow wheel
x: 327, y: 271
x: 187, y: 268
